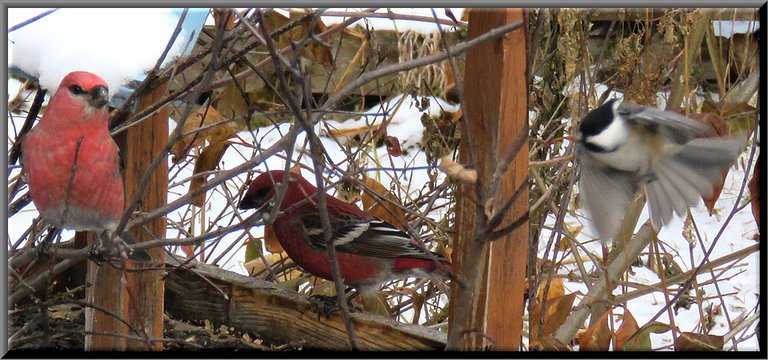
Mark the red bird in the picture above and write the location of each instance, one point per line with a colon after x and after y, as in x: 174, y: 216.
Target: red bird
x: 71, y: 163
x: 370, y: 251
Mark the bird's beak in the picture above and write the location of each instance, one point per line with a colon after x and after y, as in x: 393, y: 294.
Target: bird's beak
x: 99, y: 96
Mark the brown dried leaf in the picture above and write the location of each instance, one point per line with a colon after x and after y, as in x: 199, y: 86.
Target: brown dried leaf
x: 207, y: 161
x: 457, y: 172
x: 556, y: 289
x: 385, y: 209
x: 688, y: 341
x: 597, y: 337
x: 202, y: 118
x: 557, y: 312
x: 270, y: 240
x: 628, y: 328
x: 393, y: 146
x: 352, y: 132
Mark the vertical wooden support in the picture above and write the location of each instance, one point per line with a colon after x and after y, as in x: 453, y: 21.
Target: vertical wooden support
x: 106, y: 292
x: 497, y: 107
x: 141, y: 303
x: 508, y: 256
x: 143, y: 143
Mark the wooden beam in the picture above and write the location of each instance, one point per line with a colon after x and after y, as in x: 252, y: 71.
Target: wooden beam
x: 282, y: 316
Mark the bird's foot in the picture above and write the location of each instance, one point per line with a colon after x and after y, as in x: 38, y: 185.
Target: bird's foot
x: 45, y: 244
x: 97, y: 254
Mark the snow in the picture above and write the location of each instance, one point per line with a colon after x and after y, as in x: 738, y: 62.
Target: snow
x: 727, y: 28
x: 106, y: 42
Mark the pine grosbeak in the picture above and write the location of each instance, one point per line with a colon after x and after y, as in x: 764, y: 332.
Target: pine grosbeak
x: 71, y: 163
x: 369, y: 250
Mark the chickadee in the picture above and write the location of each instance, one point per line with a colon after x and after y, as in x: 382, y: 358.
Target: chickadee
x: 622, y: 147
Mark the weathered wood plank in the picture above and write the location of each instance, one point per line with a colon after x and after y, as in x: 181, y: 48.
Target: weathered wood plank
x: 279, y: 315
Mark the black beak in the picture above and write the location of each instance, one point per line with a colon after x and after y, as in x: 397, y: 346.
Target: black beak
x: 99, y: 96
x: 248, y: 202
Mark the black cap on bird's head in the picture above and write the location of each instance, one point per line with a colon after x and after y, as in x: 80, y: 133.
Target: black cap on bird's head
x: 598, y: 119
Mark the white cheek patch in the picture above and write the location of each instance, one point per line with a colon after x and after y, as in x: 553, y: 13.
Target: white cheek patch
x: 612, y: 136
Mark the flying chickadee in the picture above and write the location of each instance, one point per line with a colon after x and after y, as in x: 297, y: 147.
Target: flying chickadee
x: 622, y: 147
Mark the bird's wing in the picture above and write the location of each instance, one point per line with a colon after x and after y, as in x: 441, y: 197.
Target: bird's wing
x: 368, y: 237
x: 605, y: 192
x: 680, y: 128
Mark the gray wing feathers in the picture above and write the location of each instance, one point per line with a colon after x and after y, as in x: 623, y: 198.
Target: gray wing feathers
x: 605, y: 193
x: 682, y: 178
x: 651, y: 115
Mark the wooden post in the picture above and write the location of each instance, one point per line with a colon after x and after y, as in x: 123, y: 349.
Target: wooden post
x: 508, y: 256
x: 141, y: 303
x: 497, y: 108
x: 142, y: 144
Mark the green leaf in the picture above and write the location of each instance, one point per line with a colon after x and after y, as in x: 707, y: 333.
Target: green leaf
x: 253, y: 250
x: 641, y: 341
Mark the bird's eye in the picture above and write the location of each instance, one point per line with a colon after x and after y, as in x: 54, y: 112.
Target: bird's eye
x: 77, y: 90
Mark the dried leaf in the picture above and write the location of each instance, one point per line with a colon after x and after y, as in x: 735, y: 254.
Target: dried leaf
x: 352, y: 132
x: 386, y: 209
x: 597, y: 337
x: 207, y: 161
x: 688, y: 341
x: 457, y: 172
x: 628, y: 328
x: 557, y: 312
x: 215, y: 131
x: 556, y: 289
x: 393, y: 146
x: 270, y: 240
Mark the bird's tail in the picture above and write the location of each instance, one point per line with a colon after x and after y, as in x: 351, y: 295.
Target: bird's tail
x: 409, y: 265
x: 680, y: 179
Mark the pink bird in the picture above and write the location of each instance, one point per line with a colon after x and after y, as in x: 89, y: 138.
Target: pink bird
x: 370, y: 251
x: 71, y: 163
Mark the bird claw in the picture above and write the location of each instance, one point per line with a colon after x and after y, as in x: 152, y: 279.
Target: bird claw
x: 97, y: 254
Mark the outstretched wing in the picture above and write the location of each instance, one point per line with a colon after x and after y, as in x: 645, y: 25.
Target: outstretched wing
x: 680, y: 128
x: 605, y: 192
x: 368, y: 237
